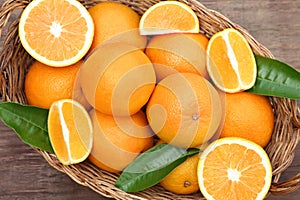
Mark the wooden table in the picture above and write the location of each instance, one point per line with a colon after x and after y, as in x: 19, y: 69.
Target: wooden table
x: 276, y: 24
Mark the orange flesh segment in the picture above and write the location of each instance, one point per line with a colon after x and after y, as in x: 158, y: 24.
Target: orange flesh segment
x: 245, y: 161
x: 164, y: 18
x: 245, y: 62
x: 230, y: 62
x: 40, y: 40
x: 69, y: 131
x: 78, y: 145
x: 223, y: 70
x: 57, y: 140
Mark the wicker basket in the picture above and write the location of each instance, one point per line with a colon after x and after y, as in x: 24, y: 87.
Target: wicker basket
x: 14, y: 63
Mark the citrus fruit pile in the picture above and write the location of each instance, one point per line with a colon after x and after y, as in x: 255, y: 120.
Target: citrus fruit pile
x: 115, y: 82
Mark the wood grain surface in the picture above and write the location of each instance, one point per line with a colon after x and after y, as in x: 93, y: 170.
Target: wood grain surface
x: 275, y: 23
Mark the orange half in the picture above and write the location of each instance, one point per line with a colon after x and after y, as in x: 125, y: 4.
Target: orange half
x: 234, y: 168
x: 70, y: 131
x: 56, y: 32
x: 230, y: 61
x: 169, y: 17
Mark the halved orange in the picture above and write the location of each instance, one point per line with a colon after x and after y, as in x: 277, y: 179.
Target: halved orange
x: 230, y: 61
x: 234, y: 168
x: 70, y: 131
x: 56, y: 32
x: 169, y: 17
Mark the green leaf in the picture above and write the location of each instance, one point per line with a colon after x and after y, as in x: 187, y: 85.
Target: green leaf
x: 29, y: 122
x: 275, y: 78
x: 152, y: 166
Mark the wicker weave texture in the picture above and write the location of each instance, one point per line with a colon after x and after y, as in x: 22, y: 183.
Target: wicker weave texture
x: 15, y: 61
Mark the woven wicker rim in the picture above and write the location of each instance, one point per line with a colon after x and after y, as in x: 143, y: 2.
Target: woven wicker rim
x: 14, y: 63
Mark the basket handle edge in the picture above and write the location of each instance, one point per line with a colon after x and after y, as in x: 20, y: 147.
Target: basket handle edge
x: 287, y: 186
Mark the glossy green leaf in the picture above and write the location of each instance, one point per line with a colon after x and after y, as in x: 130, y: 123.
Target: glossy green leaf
x: 29, y: 122
x: 152, y: 166
x: 275, y: 78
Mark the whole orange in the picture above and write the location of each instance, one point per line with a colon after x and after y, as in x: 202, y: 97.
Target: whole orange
x: 184, y: 110
x: 117, y: 79
x: 249, y: 116
x: 117, y: 141
x: 45, y: 84
x: 181, y: 52
x: 115, y: 21
x: 183, y: 179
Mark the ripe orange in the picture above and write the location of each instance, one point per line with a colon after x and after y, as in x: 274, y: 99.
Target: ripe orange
x: 230, y: 61
x: 45, y: 84
x: 70, y: 131
x: 118, y: 140
x: 184, y: 110
x: 117, y: 22
x: 248, y: 116
x: 56, y: 32
x: 79, y: 96
x: 117, y: 79
x: 234, y: 168
x: 169, y: 17
x: 183, y: 179
x: 172, y: 53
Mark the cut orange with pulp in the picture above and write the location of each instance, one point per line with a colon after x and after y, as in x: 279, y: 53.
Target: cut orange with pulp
x: 234, y: 168
x: 169, y: 17
x: 230, y: 61
x: 56, y: 32
x: 70, y: 131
